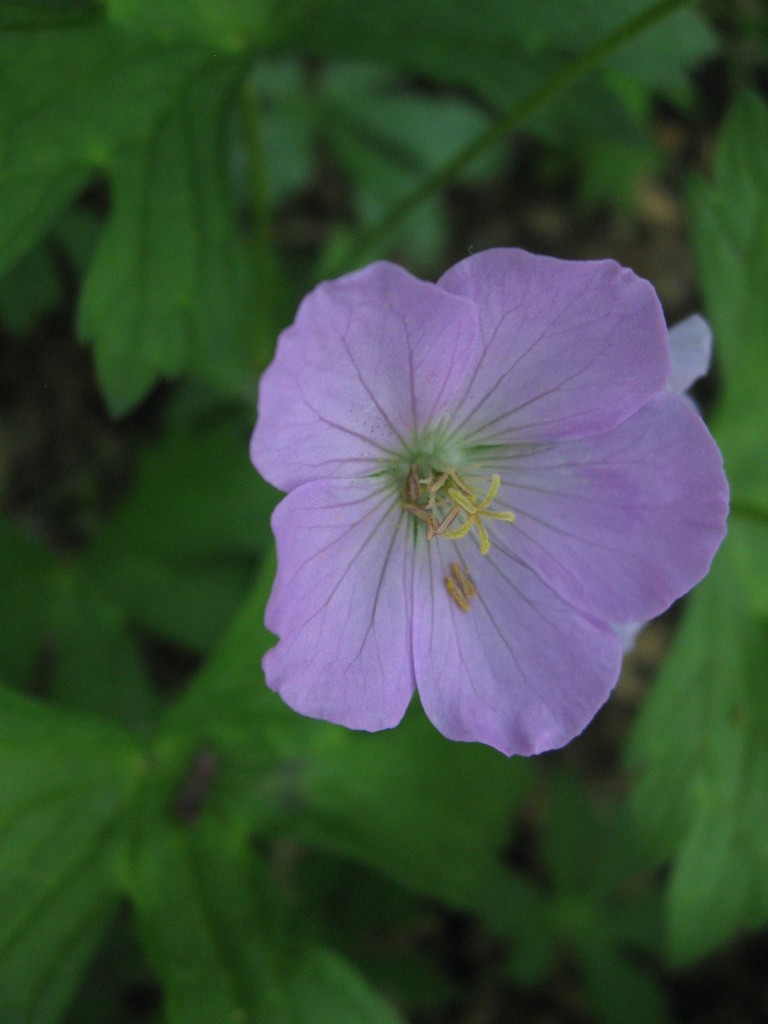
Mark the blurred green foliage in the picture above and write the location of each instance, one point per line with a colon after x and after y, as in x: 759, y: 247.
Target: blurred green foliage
x: 701, y: 740
x: 195, y: 837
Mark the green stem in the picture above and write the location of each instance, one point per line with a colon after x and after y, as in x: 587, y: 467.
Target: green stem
x: 506, y: 123
x: 261, y: 228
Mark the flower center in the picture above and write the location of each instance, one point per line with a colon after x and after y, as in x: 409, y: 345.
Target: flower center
x: 451, y: 508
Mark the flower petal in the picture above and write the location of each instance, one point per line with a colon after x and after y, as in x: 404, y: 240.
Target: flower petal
x: 690, y: 349
x: 341, y: 605
x: 623, y: 523
x: 628, y: 633
x: 522, y: 670
x: 569, y: 348
x: 370, y: 359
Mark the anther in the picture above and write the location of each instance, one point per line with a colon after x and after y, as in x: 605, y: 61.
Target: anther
x: 475, y: 511
x: 456, y: 594
x: 439, y: 500
x: 412, y: 488
x: 460, y: 586
x: 439, y: 528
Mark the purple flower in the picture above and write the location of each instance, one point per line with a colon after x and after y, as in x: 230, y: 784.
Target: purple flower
x: 483, y: 475
x: 690, y: 351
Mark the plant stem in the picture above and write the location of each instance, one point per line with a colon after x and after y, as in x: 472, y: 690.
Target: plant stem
x: 506, y: 123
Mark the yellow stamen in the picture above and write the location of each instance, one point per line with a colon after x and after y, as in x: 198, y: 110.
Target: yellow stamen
x: 462, y: 501
x: 493, y: 490
x: 437, y: 529
x: 506, y: 517
x: 475, y: 511
x: 448, y: 486
x: 460, y: 586
x: 485, y: 540
x: 465, y: 581
x: 456, y: 594
x: 460, y: 531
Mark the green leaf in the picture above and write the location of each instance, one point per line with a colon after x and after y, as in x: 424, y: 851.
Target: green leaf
x: 167, y: 288
x: 199, y: 925
x: 386, y: 139
x: 184, y: 578
x: 30, y: 290
x: 47, y: 14
x: 658, y: 57
x: 703, y: 731
x: 71, y: 100
x: 30, y: 202
x: 64, y: 782
x: 229, y: 710
x: 231, y: 25
x: 61, y: 630
x: 74, y: 99
x: 362, y: 794
x: 586, y: 849
x: 702, y: 786
x: 748, y: 540
x: 221, y: 940
x: 595, y: 904
x: 287, y: 126
x: 198, y: 490
x: 27, y: 589
x: 325, y: 989
x: 453, y: 43
x: 730, y: 242
x: 661, y: 57
x: 492, y: 42
x: 96, y: 664
x: 504, y: 51
x: 621, y: 992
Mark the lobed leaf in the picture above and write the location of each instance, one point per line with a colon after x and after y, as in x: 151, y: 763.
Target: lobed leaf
x: 231, y: 25
x: 702, y: 786
x: 699, y: 744
x: 230, y: 954
x: 30, y: 202
x: 65, y: 785
x: 179, y: 554
x: 166, y: 290
x: 730, y: 244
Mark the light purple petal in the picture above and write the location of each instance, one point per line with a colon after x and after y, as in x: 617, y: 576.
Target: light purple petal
x: 690, y: 349
x: 569, y: 348
x: 521, y: 670
x: 341, y: 605
x: 370, y: 359
x: 628, y: 633
x: 623, y: 523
